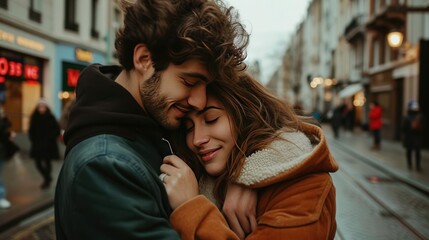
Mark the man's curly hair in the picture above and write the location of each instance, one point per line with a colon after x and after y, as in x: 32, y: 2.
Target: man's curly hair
x: 175, y: 31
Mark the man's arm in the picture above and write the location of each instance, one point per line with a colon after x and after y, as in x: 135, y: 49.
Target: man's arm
x: 117, y: 199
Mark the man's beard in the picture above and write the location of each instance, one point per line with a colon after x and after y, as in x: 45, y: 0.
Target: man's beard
x: 155, y: 104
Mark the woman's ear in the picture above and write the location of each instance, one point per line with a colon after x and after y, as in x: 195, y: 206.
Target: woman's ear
x: 142, y: 59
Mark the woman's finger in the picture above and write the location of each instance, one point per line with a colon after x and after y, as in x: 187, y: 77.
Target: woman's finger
x: 174, y: 161
x: 234, y: 224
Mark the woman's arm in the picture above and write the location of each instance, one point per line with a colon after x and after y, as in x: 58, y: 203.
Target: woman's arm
x: 194, y: 216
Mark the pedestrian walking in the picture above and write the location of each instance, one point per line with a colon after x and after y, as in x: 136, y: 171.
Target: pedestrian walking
x: 375, y: 123
x: 348, y: 116
x: 5, y: 135
x: 169, y: 51
x: 412, y: 129
x: 44, y: 132
x: 337, y: 119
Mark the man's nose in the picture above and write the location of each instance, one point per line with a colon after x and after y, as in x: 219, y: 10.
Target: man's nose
x: 197, y: 98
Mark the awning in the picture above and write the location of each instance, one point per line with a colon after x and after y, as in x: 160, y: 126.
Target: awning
x: 350, y: 90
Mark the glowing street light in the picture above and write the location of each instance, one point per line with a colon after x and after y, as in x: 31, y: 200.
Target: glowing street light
x: 395, y: 39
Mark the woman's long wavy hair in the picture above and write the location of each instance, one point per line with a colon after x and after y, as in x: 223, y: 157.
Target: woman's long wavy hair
x: 178, y: 30
x: 255, y: 115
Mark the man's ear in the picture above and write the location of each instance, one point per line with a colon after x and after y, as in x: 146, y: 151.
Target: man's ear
x: 142, y: 58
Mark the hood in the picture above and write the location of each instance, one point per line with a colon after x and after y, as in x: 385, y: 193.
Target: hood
x: 104, y: 107
x: 284, y: 160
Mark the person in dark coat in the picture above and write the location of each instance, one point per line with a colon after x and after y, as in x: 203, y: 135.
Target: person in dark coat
x: 336, y: 120
x: 412, y: 128
x: 5, y: 125
x: 44, y: 132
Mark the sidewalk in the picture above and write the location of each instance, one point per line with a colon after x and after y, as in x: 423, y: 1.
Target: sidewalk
x: 391, y: 157
x: 22, y: 182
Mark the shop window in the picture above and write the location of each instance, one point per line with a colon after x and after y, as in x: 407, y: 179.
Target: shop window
x: 34, y: 12
x: 70, y: 16
x: 94, y: 32
x: 3, y: 4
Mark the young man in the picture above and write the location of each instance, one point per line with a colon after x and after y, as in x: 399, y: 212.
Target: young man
x: 169, y: 51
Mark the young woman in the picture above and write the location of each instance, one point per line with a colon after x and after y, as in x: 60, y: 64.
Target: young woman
x: 246, y: 135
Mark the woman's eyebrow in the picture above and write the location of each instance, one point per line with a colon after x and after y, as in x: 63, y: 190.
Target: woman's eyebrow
x: 208, y: 108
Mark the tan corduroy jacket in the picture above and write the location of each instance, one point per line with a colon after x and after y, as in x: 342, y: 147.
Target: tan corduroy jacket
x: 296, y: 195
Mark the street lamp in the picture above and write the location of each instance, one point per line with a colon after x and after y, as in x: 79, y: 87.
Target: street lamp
x: 395, y: 39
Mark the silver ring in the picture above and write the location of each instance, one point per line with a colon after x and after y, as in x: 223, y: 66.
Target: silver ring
x: 162, y: 176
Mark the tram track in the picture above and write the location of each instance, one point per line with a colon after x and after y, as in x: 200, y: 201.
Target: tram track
x: 388, y: 211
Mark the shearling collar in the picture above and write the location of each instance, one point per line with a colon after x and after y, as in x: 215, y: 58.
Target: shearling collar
x: 287, y: 159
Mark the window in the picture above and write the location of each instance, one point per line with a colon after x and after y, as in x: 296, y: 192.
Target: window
x: 94, y: 32
x: 70, y: 16
x: 34, y: 12
x: 3, y: 4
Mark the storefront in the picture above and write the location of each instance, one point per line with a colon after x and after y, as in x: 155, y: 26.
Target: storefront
x: 71, y: 61
x: 20, y: 85
x: 25, y: 75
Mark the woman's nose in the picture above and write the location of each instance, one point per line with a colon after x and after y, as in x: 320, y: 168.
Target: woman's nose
x: 200, y: 137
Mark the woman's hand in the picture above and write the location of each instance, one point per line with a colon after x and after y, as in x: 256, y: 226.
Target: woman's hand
x: 239, y: 209
x: 180, y: 181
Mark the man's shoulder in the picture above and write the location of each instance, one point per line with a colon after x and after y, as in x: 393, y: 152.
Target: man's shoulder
x: 108, y: 152
x: 102, y: 146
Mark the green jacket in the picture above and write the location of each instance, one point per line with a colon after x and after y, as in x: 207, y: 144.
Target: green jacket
x: 107, y: 189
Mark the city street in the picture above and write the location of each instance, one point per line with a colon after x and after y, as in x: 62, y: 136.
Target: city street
x: 377, y: 197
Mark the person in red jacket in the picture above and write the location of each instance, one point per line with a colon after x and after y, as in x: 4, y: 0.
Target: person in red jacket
x: 375, y: 123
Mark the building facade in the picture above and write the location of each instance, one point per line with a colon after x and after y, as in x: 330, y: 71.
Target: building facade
x: 44, y: 44
x: 344, y: 43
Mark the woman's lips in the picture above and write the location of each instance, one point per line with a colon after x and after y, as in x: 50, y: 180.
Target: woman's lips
x: 209, y: 155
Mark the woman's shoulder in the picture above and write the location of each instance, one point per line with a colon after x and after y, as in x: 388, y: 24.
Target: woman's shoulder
x: 299, y: 204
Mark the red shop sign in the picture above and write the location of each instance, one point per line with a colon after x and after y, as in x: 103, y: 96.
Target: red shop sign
x: 12, y: 69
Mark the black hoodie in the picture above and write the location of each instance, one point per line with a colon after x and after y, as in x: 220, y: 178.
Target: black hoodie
x: 105, y: 107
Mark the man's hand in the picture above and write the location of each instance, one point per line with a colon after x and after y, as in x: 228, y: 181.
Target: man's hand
x: 240, y: 208
x: 180, y: 181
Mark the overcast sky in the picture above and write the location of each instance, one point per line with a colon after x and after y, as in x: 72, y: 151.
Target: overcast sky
x: 270, y: 23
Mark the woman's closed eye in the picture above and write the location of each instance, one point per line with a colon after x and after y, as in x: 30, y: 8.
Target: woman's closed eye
x: 189, y: 125
x: 211, y: 120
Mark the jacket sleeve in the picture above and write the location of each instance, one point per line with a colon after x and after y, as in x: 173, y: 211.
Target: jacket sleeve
x: 115, y: 198
x: 199, y: 218
x: 303, y: 210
